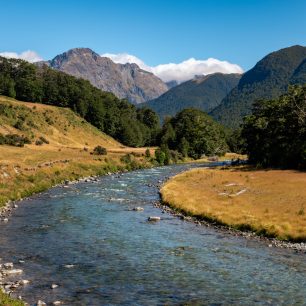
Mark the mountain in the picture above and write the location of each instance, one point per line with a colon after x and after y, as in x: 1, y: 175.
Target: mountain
x: 172, y: 84
x: 124, y: 80
x: 202, y: 92
x: 299, y: 75
x: 268, y: 79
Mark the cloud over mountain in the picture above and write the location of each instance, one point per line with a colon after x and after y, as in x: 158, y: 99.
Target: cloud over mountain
x: 29, y: 55
x: 180, y: 72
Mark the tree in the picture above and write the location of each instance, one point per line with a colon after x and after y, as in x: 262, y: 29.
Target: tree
x: 275, y: 133
x: 193, y: 133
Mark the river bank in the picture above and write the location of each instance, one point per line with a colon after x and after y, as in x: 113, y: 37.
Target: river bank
x: 261, y: 203
x: 270, y: 242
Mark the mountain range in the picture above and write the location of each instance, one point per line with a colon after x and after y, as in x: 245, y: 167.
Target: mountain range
x: 268, y: 79
x: 226, y: 97
x: 124, y: 80
x: 202, y: 92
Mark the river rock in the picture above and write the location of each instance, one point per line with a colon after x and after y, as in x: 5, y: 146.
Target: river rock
x: 40, y: 303
x: 69, y: 266
x: 24, y: 282
x: 13, y: 271
x: 53, y: 286
x: 57, y: 303
x: 138, y: 208
x: 8, y: 265
x: 152, y: 218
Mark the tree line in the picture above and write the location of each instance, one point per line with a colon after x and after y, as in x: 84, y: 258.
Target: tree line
x: 190, y: 133
x: 116, y: 117
x: 274, y: 135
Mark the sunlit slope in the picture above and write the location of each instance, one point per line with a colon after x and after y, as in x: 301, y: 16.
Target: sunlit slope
x: 60, y: 126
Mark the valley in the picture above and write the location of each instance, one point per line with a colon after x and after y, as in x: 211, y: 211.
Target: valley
x: 152, y: 153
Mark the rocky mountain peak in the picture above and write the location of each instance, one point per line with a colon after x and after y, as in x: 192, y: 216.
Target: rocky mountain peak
x: 124, y: 80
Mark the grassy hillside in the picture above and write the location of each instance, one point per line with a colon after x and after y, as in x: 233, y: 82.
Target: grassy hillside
x: 268, y: 79
x: 203, y: 92
x: 60, y: 126
x: 67, y: 155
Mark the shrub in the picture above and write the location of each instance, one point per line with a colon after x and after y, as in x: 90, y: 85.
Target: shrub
x: 147, y: 153
x: 19, y: 125
x: 14, y: 140
x: 160, y: 156
x: 99, y: 150
x: 44, y: 140
x: 39, y: 142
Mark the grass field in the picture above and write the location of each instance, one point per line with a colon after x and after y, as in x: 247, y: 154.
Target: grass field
x: 271, y: 203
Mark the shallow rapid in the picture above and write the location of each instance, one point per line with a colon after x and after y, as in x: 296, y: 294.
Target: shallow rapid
x: 89, y: 241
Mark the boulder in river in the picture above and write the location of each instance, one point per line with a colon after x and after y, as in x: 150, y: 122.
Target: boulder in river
x: 153, y: 218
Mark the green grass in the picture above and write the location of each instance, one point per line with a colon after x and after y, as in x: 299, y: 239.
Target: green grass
x: 6, y: 300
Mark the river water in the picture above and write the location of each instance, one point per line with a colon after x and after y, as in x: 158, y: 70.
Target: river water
x: 86, y: 239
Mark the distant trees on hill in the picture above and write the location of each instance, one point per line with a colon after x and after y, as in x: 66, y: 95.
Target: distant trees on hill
x: 190, y: 133
x: 116, y: 117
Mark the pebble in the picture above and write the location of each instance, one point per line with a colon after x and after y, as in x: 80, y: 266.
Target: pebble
x: 57, y: 303
x: 53, y: 286
x: 40, y: 303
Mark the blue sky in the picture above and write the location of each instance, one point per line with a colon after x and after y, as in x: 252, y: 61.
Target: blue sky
x: 157, y: 32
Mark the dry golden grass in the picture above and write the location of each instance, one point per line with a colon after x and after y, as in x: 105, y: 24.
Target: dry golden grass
x: 271, y: 202
x: 32, y: 168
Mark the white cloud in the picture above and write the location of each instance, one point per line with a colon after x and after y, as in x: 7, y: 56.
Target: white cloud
x: 123, y: 58
x: 180, y: 72
x: 30, y: 56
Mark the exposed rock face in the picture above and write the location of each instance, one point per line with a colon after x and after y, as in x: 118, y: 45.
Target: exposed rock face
x: 124, y: 80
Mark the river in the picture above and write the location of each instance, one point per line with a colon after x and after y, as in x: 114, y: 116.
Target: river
x: 86, y: 239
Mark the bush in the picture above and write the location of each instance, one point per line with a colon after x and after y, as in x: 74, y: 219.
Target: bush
x: 147, y: 153
x: 126, y: 158
x: 99, y: 150
x: 39, y: 142
x: 19, y: 125
x: 44, y: 140
x: 14, y: 140
x: 160, y: 156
